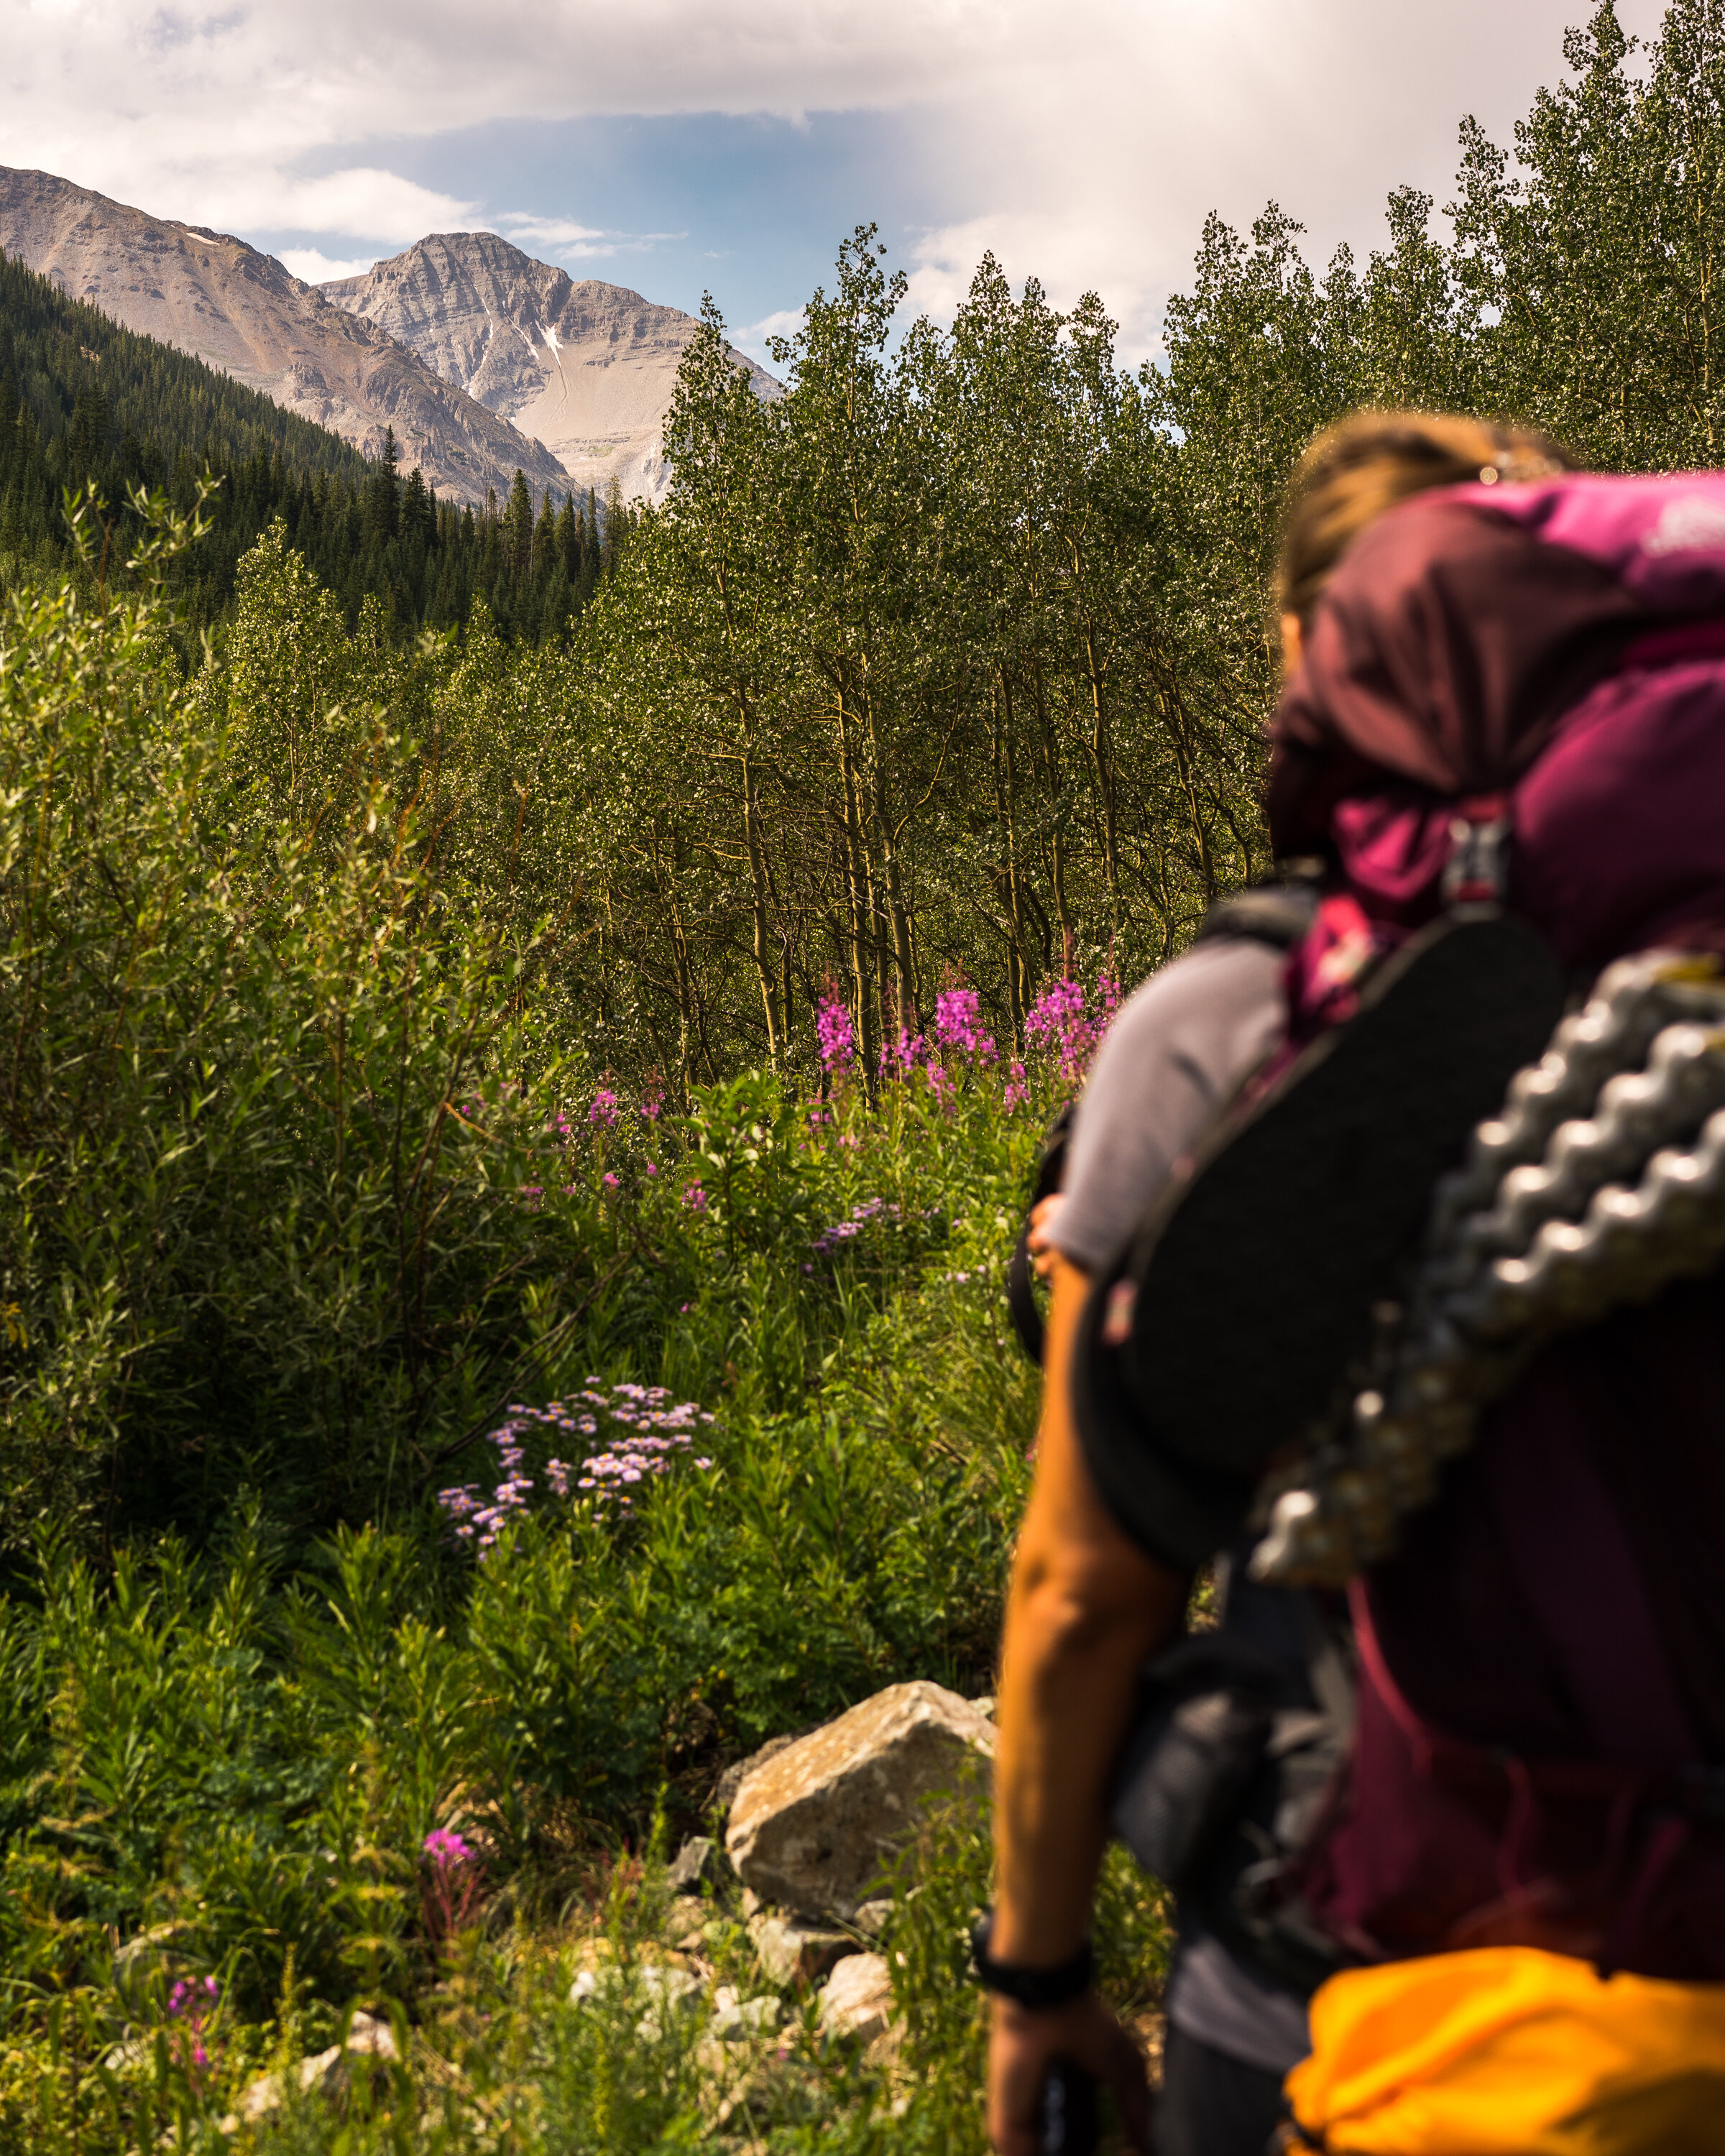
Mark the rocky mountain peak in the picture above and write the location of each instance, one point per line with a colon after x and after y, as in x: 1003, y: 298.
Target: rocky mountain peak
x: 587, y: 368
x: 206, y: 293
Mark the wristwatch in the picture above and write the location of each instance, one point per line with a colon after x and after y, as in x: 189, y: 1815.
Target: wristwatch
x: 1029, y: 1987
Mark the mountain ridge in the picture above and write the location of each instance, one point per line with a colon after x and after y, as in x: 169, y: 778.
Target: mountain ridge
x: 587, y: 367
x: 244, y: 312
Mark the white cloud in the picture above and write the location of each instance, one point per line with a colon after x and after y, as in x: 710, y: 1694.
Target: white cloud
x: 1086, y: 138
x: 563, y: 239
x: 1100, y: 162
x: 315, y: 269
x: 559, y: 233
x: 753, y: 337
x: 380, y: 204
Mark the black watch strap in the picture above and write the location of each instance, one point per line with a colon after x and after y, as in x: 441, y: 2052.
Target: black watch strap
x: 1029, y: 1987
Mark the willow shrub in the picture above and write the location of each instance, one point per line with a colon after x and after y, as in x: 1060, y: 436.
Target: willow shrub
x: 260, y: 1140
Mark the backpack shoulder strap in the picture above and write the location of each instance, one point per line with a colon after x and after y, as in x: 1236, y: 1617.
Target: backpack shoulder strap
x: 1279, y: 914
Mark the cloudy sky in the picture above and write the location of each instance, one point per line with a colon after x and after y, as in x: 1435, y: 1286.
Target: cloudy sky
x: 676, y: 145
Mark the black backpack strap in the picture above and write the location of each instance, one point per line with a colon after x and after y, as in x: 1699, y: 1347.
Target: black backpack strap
x: 1278, y: 914
x: 1020, y: 1273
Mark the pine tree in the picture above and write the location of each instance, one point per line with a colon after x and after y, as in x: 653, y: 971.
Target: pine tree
x: 614, y: 535
x: 568, y: 541
x: 519, y: 531
x: 382, y: 499
x: 544, y: 541
x: 418, y: 512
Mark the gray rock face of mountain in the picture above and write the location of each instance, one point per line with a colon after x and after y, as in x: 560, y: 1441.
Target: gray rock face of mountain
x: 211, y: 295
x: 587, y: 368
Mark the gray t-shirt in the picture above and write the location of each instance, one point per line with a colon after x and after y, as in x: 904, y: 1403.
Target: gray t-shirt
x: 1175, y: 1054
x: 1177, y: 1051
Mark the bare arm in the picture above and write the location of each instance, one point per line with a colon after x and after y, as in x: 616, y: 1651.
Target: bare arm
x: 1086, y: 1608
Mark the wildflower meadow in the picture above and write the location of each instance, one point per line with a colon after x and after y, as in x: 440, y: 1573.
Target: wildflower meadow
x: 435, y: 1455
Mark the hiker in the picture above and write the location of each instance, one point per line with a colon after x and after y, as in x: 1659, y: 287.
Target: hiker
x: 1541, y: 1707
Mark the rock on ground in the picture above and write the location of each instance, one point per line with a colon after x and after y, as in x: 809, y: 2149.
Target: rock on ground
x: 663, y: 1988
x: 814, y: 1826
x: 693, y: 1863
x: 735, y: 1775
x: 857, y: 1997
x: 367, y: 2039
x: 735, y: 2018
x: 793, y: 1952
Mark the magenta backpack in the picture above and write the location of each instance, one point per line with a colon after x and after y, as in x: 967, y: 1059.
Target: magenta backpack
x: 1540, y: 1751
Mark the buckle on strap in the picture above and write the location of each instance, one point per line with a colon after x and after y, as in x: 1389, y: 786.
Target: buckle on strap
x: 1477, y: 871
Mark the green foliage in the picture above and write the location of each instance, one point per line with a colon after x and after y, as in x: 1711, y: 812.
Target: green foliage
x: 261, y: 1140
x: 82, y: 399
x: 247, y: 1747
x: 407, y: 1038
x: 83, y: 402
x: 954, y: 661
x: 1597, y: 251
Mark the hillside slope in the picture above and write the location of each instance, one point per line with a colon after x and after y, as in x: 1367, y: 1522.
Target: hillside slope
x: 213, y: 296
x: 588, y: 369
x: 82, y: 399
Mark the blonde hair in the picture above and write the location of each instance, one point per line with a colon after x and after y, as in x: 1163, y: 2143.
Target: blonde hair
x: 1353, y: 471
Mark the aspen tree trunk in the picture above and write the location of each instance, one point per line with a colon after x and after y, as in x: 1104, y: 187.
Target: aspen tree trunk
x: 1101, y: 758
x: 752, y: 838
x: 898, y: 917
x: 1056, y: 842
x: 1174, y: 713
x: 684, y: 971
x: 859, y: 894
x: 764, y: 967
x: 1017, y: 971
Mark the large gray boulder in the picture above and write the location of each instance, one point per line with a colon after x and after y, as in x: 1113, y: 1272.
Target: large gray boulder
x: 814, y: 1827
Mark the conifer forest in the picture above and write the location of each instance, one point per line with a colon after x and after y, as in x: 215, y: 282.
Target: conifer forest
x: 523, y: 1036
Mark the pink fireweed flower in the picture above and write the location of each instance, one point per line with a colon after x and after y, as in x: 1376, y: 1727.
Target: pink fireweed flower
x: 1058, y: 1024
x: 1018, y: 1091
x: 602, y: 1114
x: 899, y: 1058
x: 959, y: 1024
x: 609, y: 1181
x: 695, y: 1197
x: 192, y: 2003
x: 450, y: 1881
x: 872, y: 1211
x: 835, y: 1035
